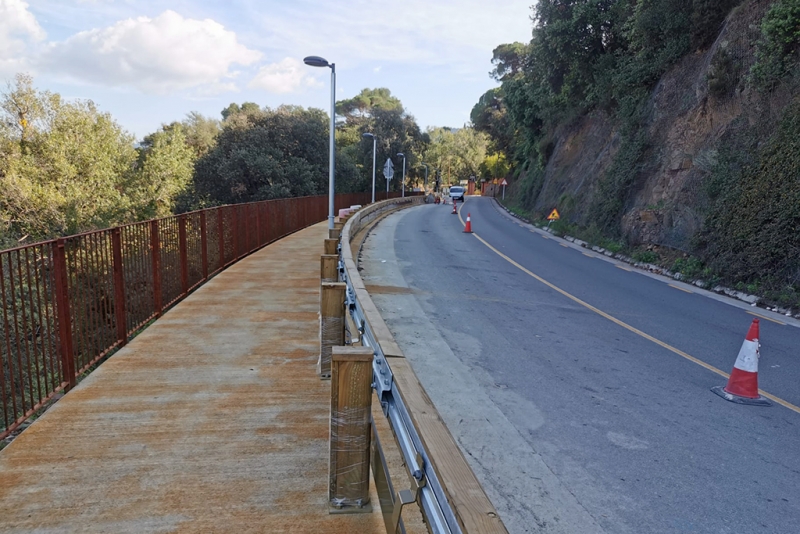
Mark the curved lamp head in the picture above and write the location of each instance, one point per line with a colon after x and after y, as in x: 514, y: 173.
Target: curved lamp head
x: 368, y: 136
x: 401, y: 155
x: 316, y: 61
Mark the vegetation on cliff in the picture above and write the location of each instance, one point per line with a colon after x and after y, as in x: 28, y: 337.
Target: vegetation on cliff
x: 620, y: 67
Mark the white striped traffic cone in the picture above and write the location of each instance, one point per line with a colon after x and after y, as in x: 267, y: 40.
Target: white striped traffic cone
x: 742, y: 385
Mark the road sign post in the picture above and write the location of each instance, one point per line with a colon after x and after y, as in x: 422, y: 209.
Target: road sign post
x: 504, y: 183
x: 554, y: 216
x: 388, y: 172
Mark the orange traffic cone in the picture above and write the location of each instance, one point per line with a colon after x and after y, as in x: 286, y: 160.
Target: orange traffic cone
x: 742, y: 386
x: 468, y: 226
x: 455, y: 208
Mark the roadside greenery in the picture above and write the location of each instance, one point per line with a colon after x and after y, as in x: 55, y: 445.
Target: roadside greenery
x: 606, y: 57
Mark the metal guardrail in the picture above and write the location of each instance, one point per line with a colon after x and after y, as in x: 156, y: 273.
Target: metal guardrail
x: 67, y: 303
x: 433, y: 501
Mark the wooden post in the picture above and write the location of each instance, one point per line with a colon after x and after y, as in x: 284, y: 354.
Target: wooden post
x: 329, y: 268
x: 331, y: 324
x: 351, y: 407
x: 334, y: 233
x: 338, y: 226
x: 330, y: 246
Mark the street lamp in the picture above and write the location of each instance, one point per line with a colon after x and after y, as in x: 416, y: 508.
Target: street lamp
x: 425, y: 186
x: 401, y: 155
x: 374, y: 141
x: 316, y: 61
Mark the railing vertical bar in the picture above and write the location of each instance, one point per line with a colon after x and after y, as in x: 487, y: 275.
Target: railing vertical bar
x: 108, y: 265
x: 47, y: 252
x: 6, y: 325
x: 221, y: 238
x: 235, y: 228
x: 43, y: 326
x: 20, y: 318
x: 119, y: 288
x: 155, y: 254
x: 184, y: 255
x: 33, y: 330
x: 63, y: 314
x: 204, y: 243
x: 90, y: 270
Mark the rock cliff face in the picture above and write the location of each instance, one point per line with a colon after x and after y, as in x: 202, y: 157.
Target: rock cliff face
x: 695, y: 105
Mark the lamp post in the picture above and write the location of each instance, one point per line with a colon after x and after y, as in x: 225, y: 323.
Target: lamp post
x: 403, y: 188
x: 374, y: 141
x: 425, y: 185
x: 316, y: 61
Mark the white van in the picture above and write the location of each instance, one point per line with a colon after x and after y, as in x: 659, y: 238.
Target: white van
x: 457, y: 193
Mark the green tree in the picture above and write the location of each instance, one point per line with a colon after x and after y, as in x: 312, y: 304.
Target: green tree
x: 363, y: 103
x: 458, y: 154
x: 201, y: 132
x: 64, y: 166
x: 490, y: 116
x: 778, y: 49
x: 378, y: 112
x: 164, y: 171
x: 270, y: 154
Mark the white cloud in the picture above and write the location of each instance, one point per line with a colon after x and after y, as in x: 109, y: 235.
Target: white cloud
x: 18, y: 30
x: 414, y: 32
x: 286, y: 76
x: 160, y: 55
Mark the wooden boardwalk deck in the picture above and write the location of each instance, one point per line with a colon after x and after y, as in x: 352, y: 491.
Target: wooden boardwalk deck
x: 211, y: 420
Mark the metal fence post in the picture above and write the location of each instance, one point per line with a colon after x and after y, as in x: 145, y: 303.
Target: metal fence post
x: 63, y: 315
x: 184, y: 254
x: 155, y: 256
x: 235, y: 226
x: 221, y: 237
x: 204, y: 243
x: 119, y: 287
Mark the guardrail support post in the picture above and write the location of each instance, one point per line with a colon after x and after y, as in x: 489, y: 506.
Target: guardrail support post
x: 331, y: 323
x: 329, y: 268
x: 351, y: 408
x: 330, y: 246
x: 334, y: 233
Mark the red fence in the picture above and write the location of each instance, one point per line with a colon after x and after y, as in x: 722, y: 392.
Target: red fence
x: 69, y: 302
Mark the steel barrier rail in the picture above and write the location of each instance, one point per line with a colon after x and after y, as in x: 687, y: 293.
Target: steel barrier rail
x: 433, y: 501
x: 68, y: 303
x: 450, y: 496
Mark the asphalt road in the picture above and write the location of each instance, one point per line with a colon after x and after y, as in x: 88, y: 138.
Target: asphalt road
x: 573, y: 422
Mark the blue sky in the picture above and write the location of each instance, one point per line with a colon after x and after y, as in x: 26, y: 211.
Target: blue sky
x: 151, y: 62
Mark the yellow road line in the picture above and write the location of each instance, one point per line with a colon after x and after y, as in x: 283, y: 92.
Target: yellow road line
x: 767, y: 318
x: 621, y: 267
x: 588, y: 255
x: 544, y: 236
x: 679, y: 288
x: 701, y: 363
x: 564, y: 245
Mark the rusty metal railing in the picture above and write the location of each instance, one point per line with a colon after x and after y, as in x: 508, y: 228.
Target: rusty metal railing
x: 69, y: 302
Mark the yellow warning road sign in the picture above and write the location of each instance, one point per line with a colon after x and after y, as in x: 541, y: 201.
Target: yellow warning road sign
x: 554, y: 216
